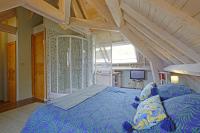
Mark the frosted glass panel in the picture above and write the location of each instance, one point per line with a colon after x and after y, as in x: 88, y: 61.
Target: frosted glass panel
x: 63, y: 65
x: 53, y: 54
x: 76, y: 63
x: 69, y: 58
x: 85, y: 64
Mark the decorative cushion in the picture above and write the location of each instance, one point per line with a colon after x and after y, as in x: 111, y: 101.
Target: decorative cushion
x: 149, y: 113
x: 172, y: 90
x: 146, y: 92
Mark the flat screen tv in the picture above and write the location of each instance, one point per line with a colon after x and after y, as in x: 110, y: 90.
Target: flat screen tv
x: 137, y: 74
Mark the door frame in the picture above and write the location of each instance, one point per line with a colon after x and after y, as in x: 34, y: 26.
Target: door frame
x: 33, y: 63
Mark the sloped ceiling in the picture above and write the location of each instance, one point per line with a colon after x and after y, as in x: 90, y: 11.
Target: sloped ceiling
x: 163, y: 30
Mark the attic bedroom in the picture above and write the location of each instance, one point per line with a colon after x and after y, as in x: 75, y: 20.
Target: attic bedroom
x: 99, y: 66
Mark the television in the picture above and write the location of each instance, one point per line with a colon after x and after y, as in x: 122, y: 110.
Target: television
x: 137, y: 74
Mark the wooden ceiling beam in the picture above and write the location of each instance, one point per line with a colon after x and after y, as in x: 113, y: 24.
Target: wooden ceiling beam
x: 160, y: 54
x: 92, y: 24
x: 81, y: 30
x: 7, y: 14
x: 41, y: 7
x: 114, y: 7
x: 46, y: 10
x: 8, y: 29
x: 83, y: 8
x: 157, y: 40
x: 173, y: 41
x: 76, y: 9
x: 65, y: 8
x: 138, y: 43
x: 155, y: 62
x: 156, y: 50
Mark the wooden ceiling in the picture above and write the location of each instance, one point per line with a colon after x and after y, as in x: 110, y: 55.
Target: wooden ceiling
x: 4, y: 16
x: 163, y: 30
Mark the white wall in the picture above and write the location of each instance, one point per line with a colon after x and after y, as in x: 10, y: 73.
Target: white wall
x: 191, y: 81
x: 25, y: 23
x: 126, y: 81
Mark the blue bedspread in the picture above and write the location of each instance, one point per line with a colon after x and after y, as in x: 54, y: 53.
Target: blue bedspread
x: 102, y: 113
x: 106, y: 111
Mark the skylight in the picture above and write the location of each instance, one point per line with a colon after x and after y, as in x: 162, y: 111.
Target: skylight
x: 123, y: 53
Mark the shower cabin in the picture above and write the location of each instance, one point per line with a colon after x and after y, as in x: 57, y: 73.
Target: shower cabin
x: 69, y: 65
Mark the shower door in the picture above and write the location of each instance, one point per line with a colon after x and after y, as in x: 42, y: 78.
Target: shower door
x: 68, y: 65
x: 60, y: 67
x: 64, y: 74
x: 76, y: 63
x: 85, y: 64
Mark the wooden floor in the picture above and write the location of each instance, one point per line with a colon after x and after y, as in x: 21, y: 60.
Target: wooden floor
x: 5, y: 106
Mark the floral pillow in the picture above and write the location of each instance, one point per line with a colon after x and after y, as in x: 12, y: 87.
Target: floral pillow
x: 149, y: 113
x: 146, y: 92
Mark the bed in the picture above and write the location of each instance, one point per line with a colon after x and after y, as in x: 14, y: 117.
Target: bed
x: 106, y: 110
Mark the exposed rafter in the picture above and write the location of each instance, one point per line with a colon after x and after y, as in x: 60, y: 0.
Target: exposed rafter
x: 159, y: 54
x: 7, y: 14
x: 180, y: 46
x: 83, y: 8
x: 76, y: 9
x: 157, y: 40
x: 139, y: 43
x: 8, y: 29
x: 92, y: 24
x: 79, y: 29
x: 114, y: 7
x: 45, y: 9
x: 66, y: 9
x: 41, y: 7
x: 156, y: 50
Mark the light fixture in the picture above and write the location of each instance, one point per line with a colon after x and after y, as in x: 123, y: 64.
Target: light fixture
x: 174, y: 79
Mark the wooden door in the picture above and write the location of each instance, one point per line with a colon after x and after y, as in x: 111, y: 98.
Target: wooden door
x: 38, y: 66
x: 11, y: 68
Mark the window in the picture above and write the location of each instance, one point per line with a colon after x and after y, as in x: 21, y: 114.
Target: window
x: 123, y: 54
x: 103, y: 55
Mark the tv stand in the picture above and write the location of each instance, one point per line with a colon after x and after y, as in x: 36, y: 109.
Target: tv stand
x: 138, y: 84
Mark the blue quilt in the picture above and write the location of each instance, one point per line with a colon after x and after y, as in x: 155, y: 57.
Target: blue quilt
x: 168, y: 91
x: 102, y: 113
x: 106, y: 111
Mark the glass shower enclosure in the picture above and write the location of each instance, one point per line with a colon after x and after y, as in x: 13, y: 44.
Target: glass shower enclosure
x: 69, y: 59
